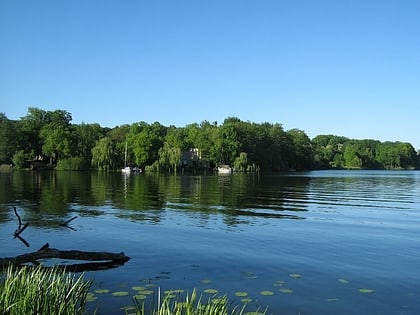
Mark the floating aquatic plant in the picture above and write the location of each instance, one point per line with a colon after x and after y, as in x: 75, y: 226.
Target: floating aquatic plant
x: 101, y: 291
x: 91, y: 297
x: 205, y: 281
x: 246, y: 300
x: 120, y: 293
x: 145, y: 292
x: 241, y: 294
x: 286, y: 290
x: 210, y: 291
x: 138, y: 288
x: 344, y: 281
x: 140, y: 297
x: 267, y: 293
x: 295, y: 275
x: 366, y: 291
x: 279, y: 283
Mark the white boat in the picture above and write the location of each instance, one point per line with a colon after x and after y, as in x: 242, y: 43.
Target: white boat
x: 126, y: 169
x: 224, y: 169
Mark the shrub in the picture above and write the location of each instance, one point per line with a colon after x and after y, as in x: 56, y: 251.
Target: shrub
x: 72, y: 164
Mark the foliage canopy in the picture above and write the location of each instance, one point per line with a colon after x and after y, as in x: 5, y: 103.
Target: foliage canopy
x: 49, y: 138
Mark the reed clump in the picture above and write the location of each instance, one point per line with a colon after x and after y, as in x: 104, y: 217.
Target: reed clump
x: 39, y: 290
x: 192, y: 304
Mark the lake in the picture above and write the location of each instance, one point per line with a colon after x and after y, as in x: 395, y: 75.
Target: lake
x: 322, y: 242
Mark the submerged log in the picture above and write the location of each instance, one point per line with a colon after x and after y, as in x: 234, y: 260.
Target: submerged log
x: 99, y: 259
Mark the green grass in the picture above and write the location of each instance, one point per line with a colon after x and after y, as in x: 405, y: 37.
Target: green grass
x: 41, y: 290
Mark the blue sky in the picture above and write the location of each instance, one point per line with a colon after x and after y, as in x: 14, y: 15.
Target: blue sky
x: 349, y: 68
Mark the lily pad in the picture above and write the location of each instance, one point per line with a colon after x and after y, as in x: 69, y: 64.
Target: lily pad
x: 138, y: 288
x: 90, y: 297
x: 279, y: 283
x: 246, y: 300
x: 344, y: 281
x: 254, y: 313
x: 286, y: 290
x: 241, y: 294
x: 120, y: 293
x: 101, y: 291
x: 366, y: 291
x: 267, y: 293
x: 140, y: 297
x: 206, y: 281
x: 210, y: 291
x: 295, y: 275
x: 145, y: 292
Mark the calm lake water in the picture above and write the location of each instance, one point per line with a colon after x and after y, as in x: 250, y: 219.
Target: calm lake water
x: 325, y: 242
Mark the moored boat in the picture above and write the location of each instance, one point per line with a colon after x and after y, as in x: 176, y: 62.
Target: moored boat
x: 224, y: 169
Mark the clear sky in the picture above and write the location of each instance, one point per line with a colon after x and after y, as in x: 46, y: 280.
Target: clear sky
x: 348, y: 68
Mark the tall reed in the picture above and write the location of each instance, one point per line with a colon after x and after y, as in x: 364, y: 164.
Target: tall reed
x: 40, y: 290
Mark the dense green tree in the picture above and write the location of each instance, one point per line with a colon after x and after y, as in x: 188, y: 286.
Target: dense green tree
x: 145, y: 141
x: 8, y: 139
x: 56, y: 136
x: 206, y: 142
x: 30, y: 128
x: 301, y: 150
x: 277, y: 148
x: 85, y: 138
x: 228, y: 141
x: 50, y: 136
x: 328, y: 151
x: 351, y: 157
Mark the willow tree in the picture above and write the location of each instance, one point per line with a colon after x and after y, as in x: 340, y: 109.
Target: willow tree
x: 103, y: 154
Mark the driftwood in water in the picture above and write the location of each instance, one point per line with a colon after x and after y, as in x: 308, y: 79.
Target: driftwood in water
x: 21, y: 226
x: 99, y: 260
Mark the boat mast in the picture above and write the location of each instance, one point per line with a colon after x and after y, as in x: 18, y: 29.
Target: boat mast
x: 125, y: 154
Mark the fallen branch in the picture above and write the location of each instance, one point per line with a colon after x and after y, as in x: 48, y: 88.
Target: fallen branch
x: 101, y: 258
x: 65, y: 223
x: 22, y: 240
x: 21, y: 229
x: 20, y: 221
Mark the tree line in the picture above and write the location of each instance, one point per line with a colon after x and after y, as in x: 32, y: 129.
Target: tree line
x: 48, y: 138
